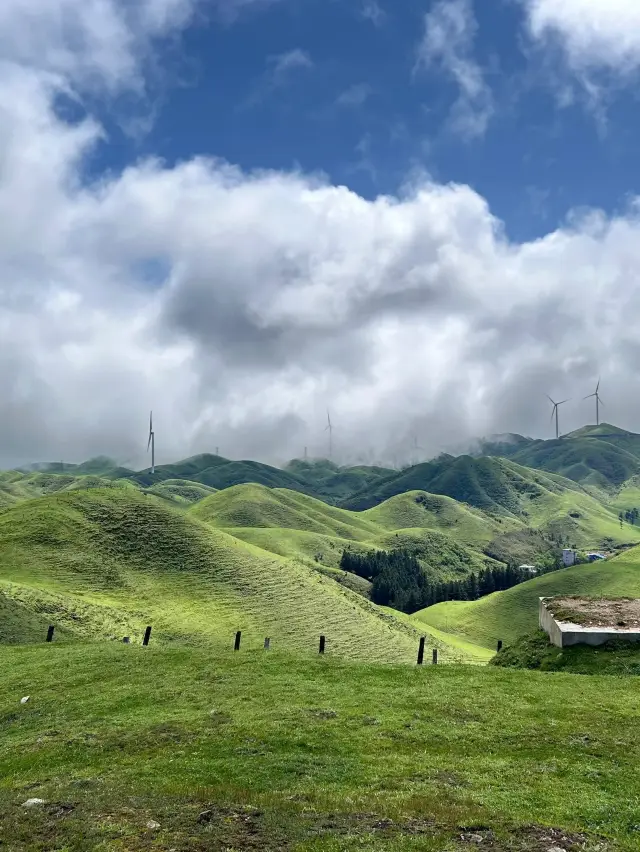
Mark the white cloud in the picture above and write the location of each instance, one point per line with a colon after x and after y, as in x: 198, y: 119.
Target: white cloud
x: 594, y: 33
x: 274, y: 295
x: 95, y: 42
x: 354, y: 96
x: 289, y: 61
x: 279, y: 73
x: 373, y: 11
x: 449, y: 33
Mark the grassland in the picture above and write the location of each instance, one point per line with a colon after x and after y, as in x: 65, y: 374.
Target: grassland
x: 534, y: 651
x: 508, y: 615
x: 287, y: 523
x: 104, y: 563
x: 178, y: 749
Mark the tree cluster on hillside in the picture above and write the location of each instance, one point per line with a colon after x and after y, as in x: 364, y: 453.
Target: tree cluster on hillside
x: 630, y: 516
x: 399, y: 581
x: 397, y: 577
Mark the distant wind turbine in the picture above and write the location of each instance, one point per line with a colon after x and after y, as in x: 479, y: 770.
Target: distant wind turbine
x: 417, y: 448
x: 556, y: 406
x: 329, y: 429
x: 599, y: 402
x: 152, y: 443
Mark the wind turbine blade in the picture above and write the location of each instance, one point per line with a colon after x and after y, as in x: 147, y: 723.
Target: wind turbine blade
x: 553, y: 413
x: 564, y: 400
x: 150, y: 422
x: 591, y: 395
x: 600, y: 401
x: 597, y: 386
x: 149, y: 442
x: 549, y: 398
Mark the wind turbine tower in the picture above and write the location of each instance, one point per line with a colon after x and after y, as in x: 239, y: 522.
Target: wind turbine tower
x: 416, y: 449
x: 599, y: 402
x: 152, y: 443
x: 556, y: 406
x: 329, y: 429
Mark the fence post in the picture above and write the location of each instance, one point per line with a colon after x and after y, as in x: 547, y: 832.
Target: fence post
x: 147, y: 634
x: 421, y: 651
x: 267, y: 644
x: 435, y: 656
x: 50, y: 633
x: 236, y: 646
x: 499, y: 645
x: 322, y: 644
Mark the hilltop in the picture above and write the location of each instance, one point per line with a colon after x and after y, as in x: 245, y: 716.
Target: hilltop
x: 603, y: 456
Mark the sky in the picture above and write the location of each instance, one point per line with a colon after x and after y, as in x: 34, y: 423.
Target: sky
x: 243, y: 214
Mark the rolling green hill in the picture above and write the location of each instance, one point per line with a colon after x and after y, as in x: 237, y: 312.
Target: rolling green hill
x: 603, y: 456
x: 446, y: 537
x: 332, y: 483
x: 104, y: 563
x: 219, y: 473
x: 517, y: 496
x: 514, y: 613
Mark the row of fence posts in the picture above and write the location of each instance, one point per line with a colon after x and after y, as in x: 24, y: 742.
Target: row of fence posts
x: 267, y: 644
x: 145, y: 640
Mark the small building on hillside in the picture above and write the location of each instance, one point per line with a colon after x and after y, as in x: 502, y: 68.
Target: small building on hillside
x: 595, y: 557
x: 568, y: 557
x: 529, y: 569
x: 573, y: 620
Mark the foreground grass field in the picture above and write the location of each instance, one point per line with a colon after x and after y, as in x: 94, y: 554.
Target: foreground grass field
x: 508, y: 615
x: 181, y: 749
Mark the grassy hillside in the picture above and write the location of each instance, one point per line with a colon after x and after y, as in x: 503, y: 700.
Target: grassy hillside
x: 603, y: 456
x: 514, y: 495
x: 534, y: 651
x: 508, y: 615
x: 184, y: 749
x: 332, y: 483
x: 292, y: 524
x: 104, y: 563
x: 217, y: 472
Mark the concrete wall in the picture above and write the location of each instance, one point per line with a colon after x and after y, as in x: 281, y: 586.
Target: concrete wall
x: 549, y: 624
x: 564, y: 635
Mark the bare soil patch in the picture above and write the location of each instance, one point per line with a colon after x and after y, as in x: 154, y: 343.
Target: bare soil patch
x: 597, y: 612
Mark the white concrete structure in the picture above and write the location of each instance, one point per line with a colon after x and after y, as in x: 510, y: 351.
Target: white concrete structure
x: 568, y: 557
x: 566, y: 633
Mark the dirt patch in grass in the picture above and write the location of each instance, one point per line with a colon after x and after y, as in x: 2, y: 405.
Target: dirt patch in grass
x: 597, y: 612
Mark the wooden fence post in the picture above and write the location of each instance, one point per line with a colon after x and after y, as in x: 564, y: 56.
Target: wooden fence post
x: 236, y: 646
x: 50, y: 633
x: 421, y: 651
x: 147, y: 634
x: 322, y: 644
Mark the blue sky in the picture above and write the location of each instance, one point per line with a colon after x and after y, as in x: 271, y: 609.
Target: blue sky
x: 337, y: 88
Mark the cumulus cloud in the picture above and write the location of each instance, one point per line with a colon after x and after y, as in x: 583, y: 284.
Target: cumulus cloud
x: 239, y: 306
x: 594, y: 33
x: 449, y: 32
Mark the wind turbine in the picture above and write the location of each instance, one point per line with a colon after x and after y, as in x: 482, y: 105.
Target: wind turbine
x: 416, y: 448
x: 556, y: 406
x: 599, y: 402
x: 152, y: 443
x: 329, y: 429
